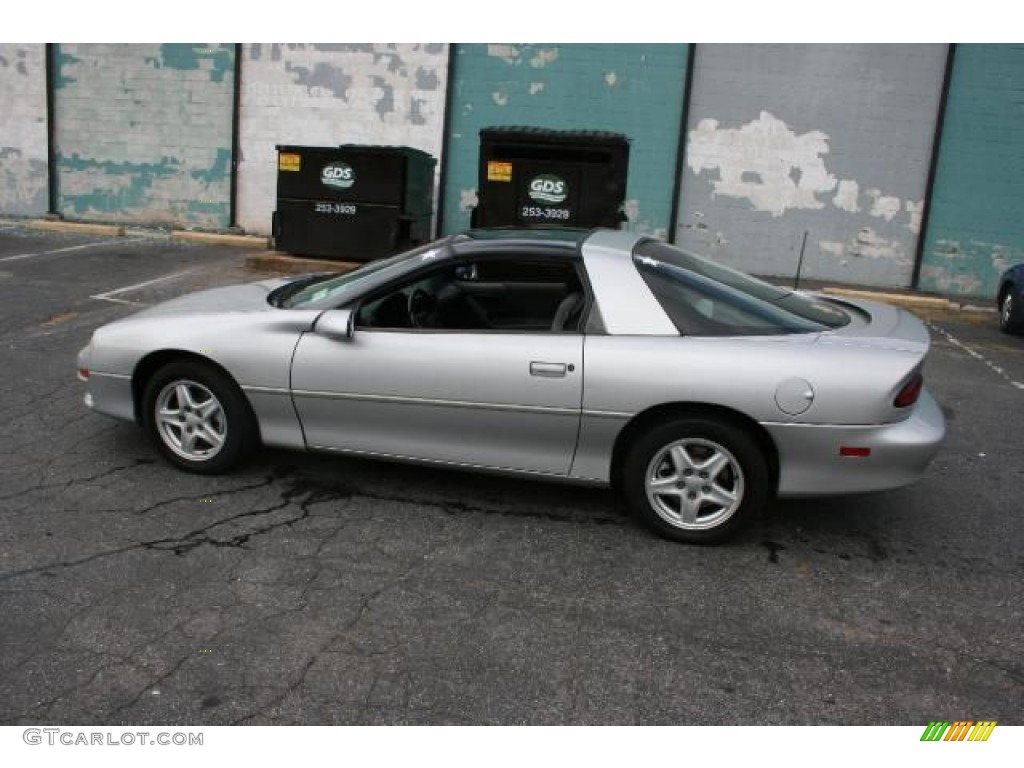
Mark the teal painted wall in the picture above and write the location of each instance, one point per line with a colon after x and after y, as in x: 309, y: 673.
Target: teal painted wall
x: 143, y: 132
x: 976, y: 224
x: 632, y: 89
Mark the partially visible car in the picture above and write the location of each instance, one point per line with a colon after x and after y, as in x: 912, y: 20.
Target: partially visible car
x: 1010, y: 300
x: 607, y: 358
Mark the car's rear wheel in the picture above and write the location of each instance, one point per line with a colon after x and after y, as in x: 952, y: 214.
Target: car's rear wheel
x: 1011, y: 312
x: 696, y: 480
x: 198, y: 418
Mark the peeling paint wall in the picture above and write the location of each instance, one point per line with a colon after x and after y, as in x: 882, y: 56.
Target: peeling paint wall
x: 143, y: 132
x: 832, y: 139
x: 976, y: 224
x: 23, y: 174
x: 632, y: 89
x: 325, y: 95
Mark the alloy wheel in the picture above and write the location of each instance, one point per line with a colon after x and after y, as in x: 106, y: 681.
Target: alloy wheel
x: 694, y: 484
x: 190, y: 420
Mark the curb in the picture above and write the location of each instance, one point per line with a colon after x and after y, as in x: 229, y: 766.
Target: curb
x: 905, y: 300
x: 241, y: 241
x: 931, y: 302
x: 111, y: 230
x: 278, y: 261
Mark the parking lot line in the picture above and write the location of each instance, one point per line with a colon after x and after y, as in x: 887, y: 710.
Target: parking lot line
x: 109, y: 295
x: 118, y: 241
x: 998, y: 370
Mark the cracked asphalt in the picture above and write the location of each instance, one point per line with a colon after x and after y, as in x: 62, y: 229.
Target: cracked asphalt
x: 315, y: 590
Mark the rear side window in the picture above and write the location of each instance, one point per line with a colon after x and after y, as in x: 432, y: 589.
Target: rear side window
x: 706, y: 299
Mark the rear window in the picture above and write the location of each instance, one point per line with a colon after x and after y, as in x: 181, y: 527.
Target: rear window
x: 707, y: 299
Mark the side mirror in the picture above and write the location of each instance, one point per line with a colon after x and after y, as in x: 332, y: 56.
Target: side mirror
x: 337, y: 324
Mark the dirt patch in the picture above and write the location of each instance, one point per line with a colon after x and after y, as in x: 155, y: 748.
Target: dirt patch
x: 60, y: 317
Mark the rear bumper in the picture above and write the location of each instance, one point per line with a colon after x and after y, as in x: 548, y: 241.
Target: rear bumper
x: 810, y: 463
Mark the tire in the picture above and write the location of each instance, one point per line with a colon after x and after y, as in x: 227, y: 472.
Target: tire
x: 208, y: 426
x: 665, y: 485
x: 1011, y: 311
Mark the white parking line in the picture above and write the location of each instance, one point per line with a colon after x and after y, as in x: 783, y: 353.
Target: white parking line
x: 119, y: 241
x: 109, y: 295
x: 129, y: 302
x: 976, y: 355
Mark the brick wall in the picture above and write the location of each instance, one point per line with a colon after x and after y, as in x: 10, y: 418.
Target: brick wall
x: 834, y: 140
x: 636, y: 90
x: 23, y: 177
x: 976, y: 224
x: 143, y: 132
x: 325, y: 95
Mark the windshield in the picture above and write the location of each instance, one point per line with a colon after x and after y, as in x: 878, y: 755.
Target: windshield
x: 705, y: 298
x: 323, y: 291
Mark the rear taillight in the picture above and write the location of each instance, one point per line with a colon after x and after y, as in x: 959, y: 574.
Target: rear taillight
x: 910, y: 392
x: 83, y: 374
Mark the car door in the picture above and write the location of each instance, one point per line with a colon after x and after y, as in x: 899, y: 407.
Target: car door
x: 481, y: 396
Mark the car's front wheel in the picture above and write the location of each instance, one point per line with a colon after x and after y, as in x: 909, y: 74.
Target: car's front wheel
x: 696, y: 480
x: 1011, y: 312
x: 198, y: 418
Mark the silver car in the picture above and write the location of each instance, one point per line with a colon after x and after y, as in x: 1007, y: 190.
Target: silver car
x: 607, y: 357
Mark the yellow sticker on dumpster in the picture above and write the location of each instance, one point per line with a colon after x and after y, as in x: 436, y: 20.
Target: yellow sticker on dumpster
x: 289, y: 161
x: 499, y: 171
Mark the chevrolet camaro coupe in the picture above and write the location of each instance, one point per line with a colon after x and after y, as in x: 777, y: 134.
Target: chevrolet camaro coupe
x: 604, y: 357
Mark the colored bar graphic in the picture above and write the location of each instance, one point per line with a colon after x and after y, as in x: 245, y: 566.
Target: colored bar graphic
x: 960, y: 730
x: 982, y: 730
x: 935, y: 730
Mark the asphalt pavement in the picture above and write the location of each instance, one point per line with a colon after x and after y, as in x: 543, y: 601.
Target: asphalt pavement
x: 315, y: 589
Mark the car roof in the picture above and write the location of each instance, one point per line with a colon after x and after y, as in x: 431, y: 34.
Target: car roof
x: 560, y: 240
x: 564, y: 243
x: 571, y: 235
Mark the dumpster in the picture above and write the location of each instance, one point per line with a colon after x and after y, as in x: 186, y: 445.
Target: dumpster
x: 352, y: 202
x: 539, y: 177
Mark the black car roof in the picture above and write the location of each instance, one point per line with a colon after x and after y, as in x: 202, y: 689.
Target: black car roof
x: 564, y: 243
x: 571, y: 235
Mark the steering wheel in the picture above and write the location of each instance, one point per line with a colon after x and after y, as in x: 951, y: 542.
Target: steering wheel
x: 421, y: 308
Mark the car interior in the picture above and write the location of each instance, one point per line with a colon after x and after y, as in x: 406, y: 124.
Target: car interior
x: 483, y: 295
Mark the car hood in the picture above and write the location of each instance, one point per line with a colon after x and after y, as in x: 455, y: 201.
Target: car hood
x: 248, y: 297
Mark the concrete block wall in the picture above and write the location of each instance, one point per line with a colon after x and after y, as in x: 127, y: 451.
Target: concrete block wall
x: 632, y: 89
x: 976, y: 223
x: 835, y: 140
x: 325, y: 95
x: 143, y: 132
x: 23, y: 140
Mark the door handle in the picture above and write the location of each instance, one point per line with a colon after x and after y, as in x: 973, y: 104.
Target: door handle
x: 553, y: 370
